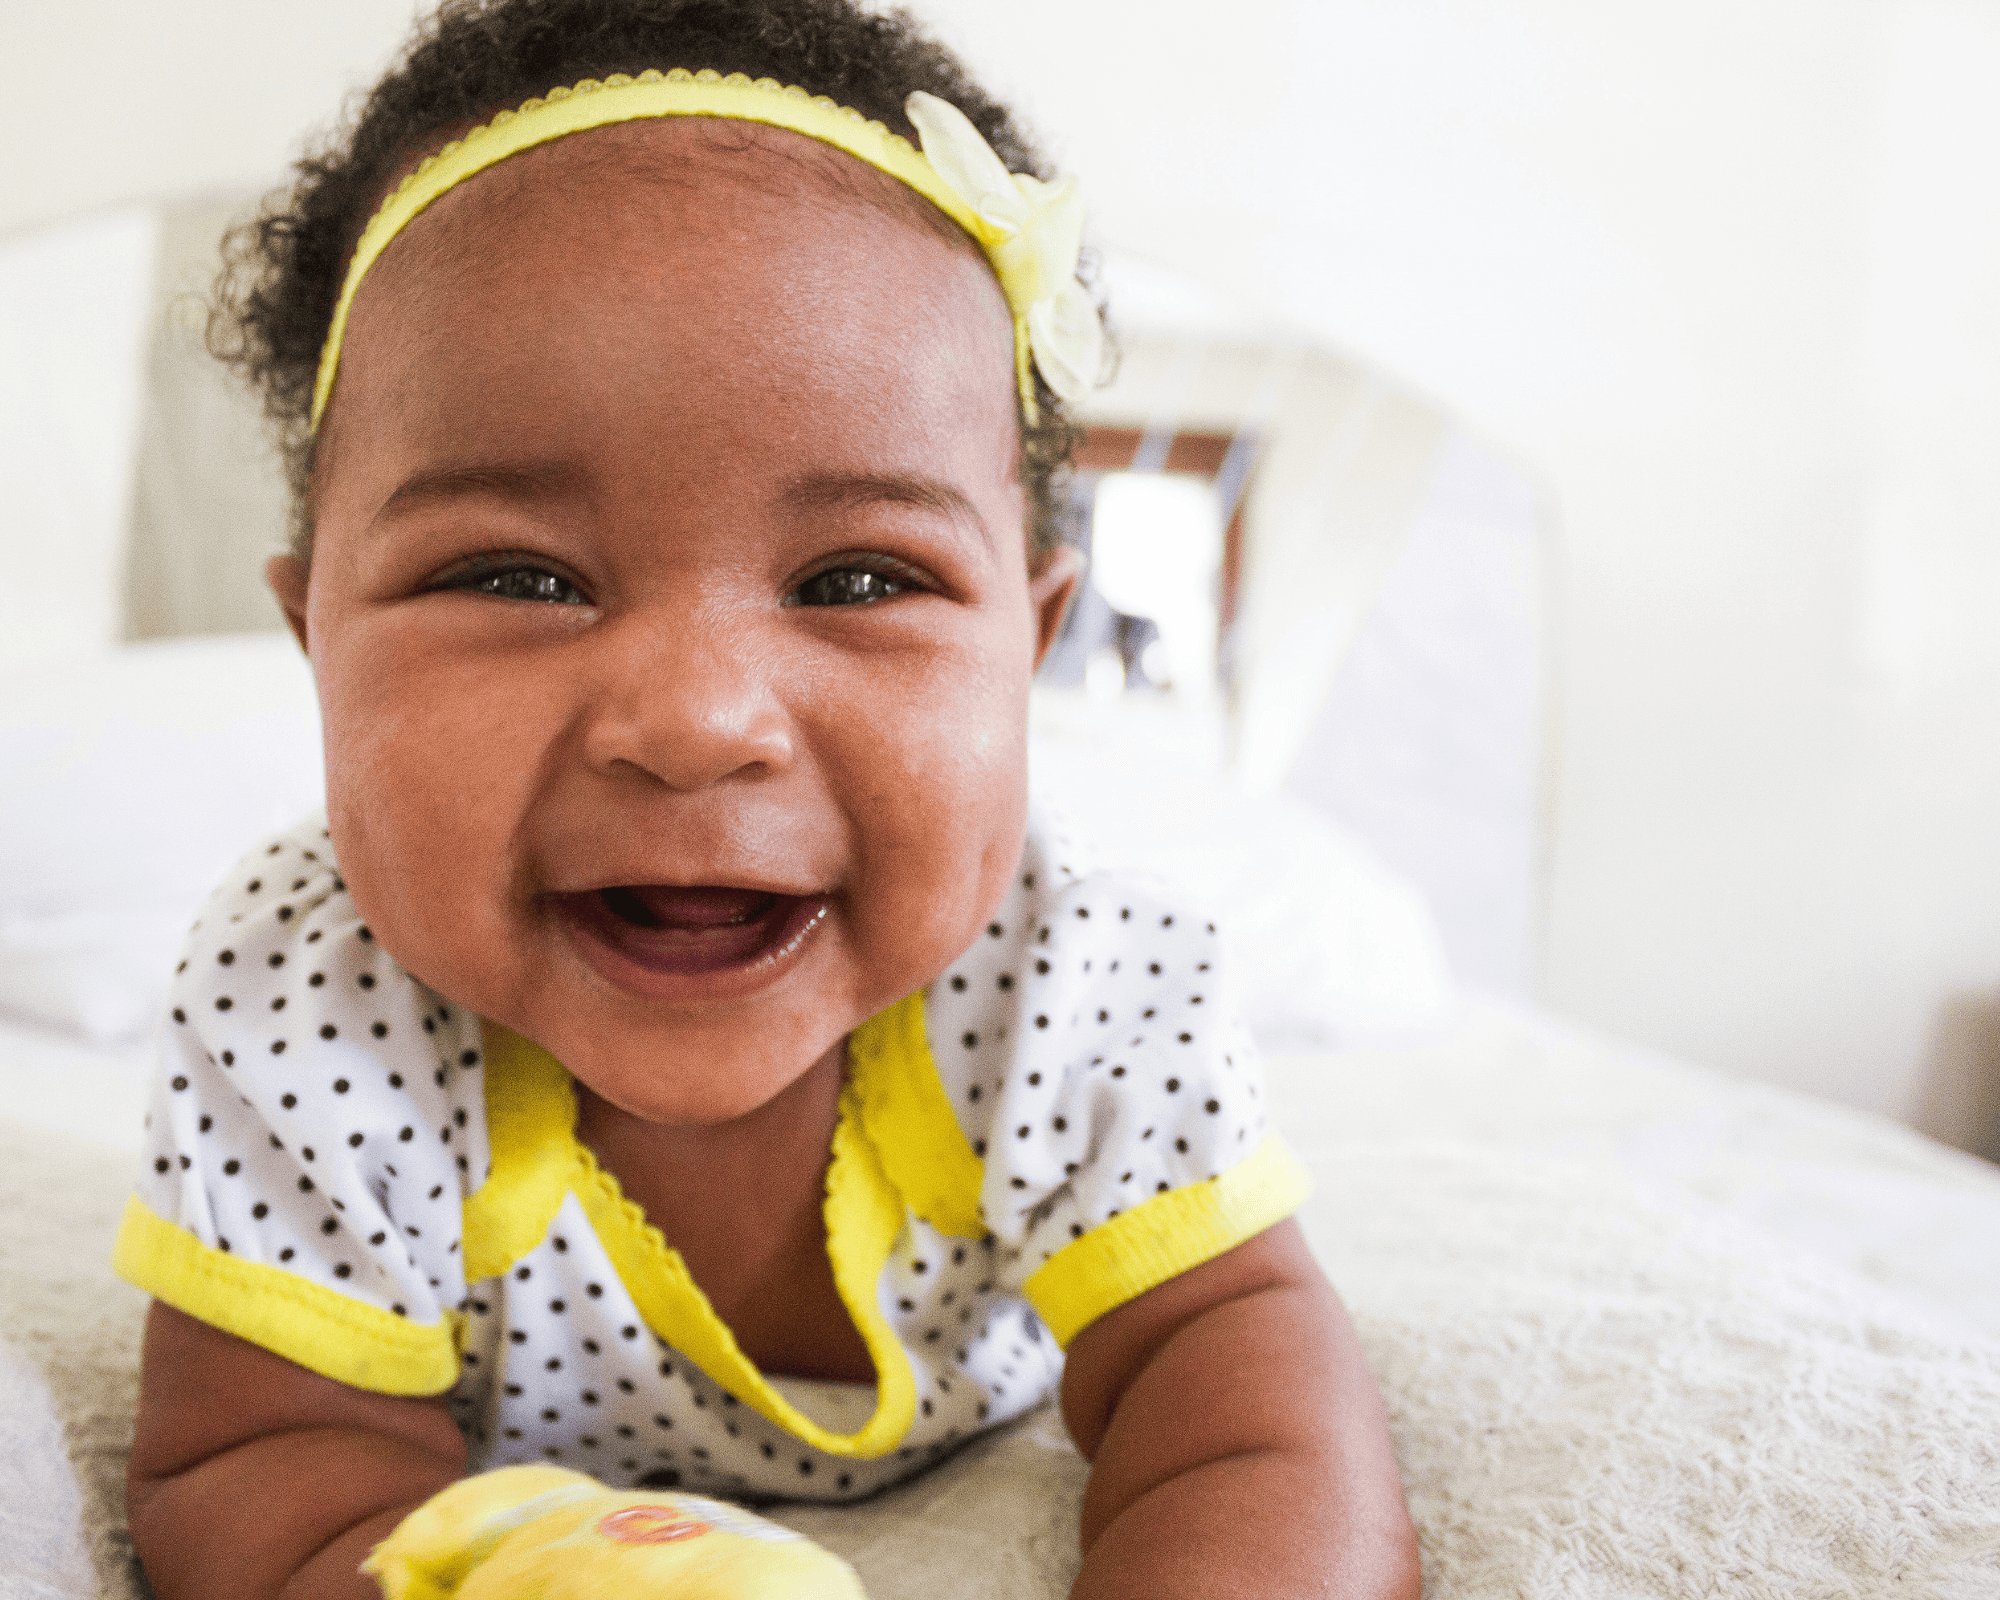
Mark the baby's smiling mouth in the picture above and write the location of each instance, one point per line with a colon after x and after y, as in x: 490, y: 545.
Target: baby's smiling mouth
x: 693, y: 929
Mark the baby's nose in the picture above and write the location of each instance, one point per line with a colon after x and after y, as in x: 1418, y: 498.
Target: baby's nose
x: 691, y: 702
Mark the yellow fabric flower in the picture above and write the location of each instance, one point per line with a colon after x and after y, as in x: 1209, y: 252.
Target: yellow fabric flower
x: 1036, y: 235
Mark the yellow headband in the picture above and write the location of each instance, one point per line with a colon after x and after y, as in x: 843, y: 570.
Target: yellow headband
x: 1030, y: 230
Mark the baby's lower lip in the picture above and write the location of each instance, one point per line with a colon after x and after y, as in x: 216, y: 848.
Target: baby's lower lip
x: 673, y: 935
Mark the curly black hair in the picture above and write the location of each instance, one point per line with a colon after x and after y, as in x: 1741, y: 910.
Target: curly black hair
x: 469, y: 59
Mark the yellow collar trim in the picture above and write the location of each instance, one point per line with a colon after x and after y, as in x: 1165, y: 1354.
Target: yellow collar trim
x: 681, y: 93
x: 891, y: 1103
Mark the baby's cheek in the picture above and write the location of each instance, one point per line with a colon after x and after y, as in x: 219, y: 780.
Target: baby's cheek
x: 425, y: 781
x: 939, y: 811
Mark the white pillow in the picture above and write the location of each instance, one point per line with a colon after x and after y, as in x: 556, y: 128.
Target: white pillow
x: 1328, y: 945
x: 132, y: 779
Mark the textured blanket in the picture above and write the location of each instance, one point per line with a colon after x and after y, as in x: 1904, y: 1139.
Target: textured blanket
x: 1643, y: 1333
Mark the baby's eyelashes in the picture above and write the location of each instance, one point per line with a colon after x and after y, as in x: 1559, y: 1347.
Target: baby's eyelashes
x: 846, y: 586
x: 859, y: 581
x: 514, y: 579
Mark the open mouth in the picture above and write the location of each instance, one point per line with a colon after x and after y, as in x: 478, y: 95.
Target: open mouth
x: 696, y: 929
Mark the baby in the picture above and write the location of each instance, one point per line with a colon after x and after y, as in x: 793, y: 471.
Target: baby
x: 679, y: 1055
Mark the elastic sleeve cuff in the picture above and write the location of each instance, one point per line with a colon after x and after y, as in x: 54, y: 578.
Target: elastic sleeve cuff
x: 351, y: 1342
x: 1163, y: 1237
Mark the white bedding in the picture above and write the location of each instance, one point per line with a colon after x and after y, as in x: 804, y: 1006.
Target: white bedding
x: 1644, y: 1331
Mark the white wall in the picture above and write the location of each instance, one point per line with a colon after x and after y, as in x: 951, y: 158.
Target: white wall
x: 1725, y: 269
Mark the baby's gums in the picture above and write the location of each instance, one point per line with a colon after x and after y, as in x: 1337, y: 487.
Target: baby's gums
x: 668, y: 535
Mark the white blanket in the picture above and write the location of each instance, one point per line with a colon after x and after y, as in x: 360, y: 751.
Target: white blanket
x: 1643, y: 1333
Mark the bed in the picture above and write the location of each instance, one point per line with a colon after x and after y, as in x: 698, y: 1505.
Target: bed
x: 1644, y: 1330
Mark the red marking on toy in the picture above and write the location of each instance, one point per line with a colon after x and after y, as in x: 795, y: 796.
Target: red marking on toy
x: 651, y: 1525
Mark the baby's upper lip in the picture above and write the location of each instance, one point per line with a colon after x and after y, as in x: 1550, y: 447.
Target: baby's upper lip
x: 747, y: 880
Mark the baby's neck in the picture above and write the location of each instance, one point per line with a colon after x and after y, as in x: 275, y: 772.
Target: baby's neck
x: 742, y: 1203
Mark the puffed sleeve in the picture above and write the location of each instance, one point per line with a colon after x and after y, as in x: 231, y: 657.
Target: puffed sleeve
x: 1090, y: 1054
x: 316, y: 1124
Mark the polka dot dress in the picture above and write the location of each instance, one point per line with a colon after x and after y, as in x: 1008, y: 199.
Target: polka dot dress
x: 321, y: 1119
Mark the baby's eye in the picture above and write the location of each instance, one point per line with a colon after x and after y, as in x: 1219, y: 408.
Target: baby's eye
x: 522, y: 583
x: 848, y: 586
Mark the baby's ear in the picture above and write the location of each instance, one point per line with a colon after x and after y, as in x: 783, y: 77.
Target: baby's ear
x: 1051, y: 588
x: 286, y: 574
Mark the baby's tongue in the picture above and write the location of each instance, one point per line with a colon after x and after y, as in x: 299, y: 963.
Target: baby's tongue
x: 665, y: 907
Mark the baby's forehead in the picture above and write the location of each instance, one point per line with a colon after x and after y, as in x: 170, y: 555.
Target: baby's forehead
x: 592, y: 179
x: 674, y: 305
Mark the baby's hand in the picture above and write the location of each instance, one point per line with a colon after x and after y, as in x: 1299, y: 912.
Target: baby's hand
x: 1238, y: 1442
x: 550, y: 1534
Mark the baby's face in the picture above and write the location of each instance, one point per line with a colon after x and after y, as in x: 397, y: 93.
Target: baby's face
x: 670, y: 605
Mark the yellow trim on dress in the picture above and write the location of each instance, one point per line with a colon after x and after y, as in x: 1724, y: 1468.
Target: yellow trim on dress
x: 320, y: 1329
x: 1163, y: 1237
x: 911, y: 1124
x: 538, y: 1160
x: 530, y: 1114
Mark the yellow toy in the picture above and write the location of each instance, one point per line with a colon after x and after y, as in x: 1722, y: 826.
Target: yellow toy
x: 545, y: 1533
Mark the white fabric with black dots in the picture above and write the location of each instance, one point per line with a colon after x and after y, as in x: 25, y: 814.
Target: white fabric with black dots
x: 317, y: 1109
x: 1089, y: 1051
x: 321, y: 1111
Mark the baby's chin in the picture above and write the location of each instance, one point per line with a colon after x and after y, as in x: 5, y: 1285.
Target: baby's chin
x: 682, y: 1076
x: 705, y: 1055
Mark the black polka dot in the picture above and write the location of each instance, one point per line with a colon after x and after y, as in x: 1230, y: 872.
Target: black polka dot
x: 277, y: 1047
x: 970, y: 1040
x: 227, y: 958
x: 180, y: 1083
x: 328, y: 1031
x: 223, y: 1002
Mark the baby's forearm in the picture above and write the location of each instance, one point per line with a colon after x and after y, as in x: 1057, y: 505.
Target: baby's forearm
x: 254, y: 1479
x: 1248, y: 1455
x: 1247, y: 1527
x: 285, y: 1517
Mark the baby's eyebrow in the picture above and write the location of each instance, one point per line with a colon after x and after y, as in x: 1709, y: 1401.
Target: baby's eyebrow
x: 839, y: 491
x: 513, y: 479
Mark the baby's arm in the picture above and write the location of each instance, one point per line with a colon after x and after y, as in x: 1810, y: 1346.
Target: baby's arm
x: 1238, y: 1442
x: 254, y: 1479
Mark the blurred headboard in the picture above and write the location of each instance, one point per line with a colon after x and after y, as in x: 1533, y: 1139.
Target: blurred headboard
x: 1388, y: 647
